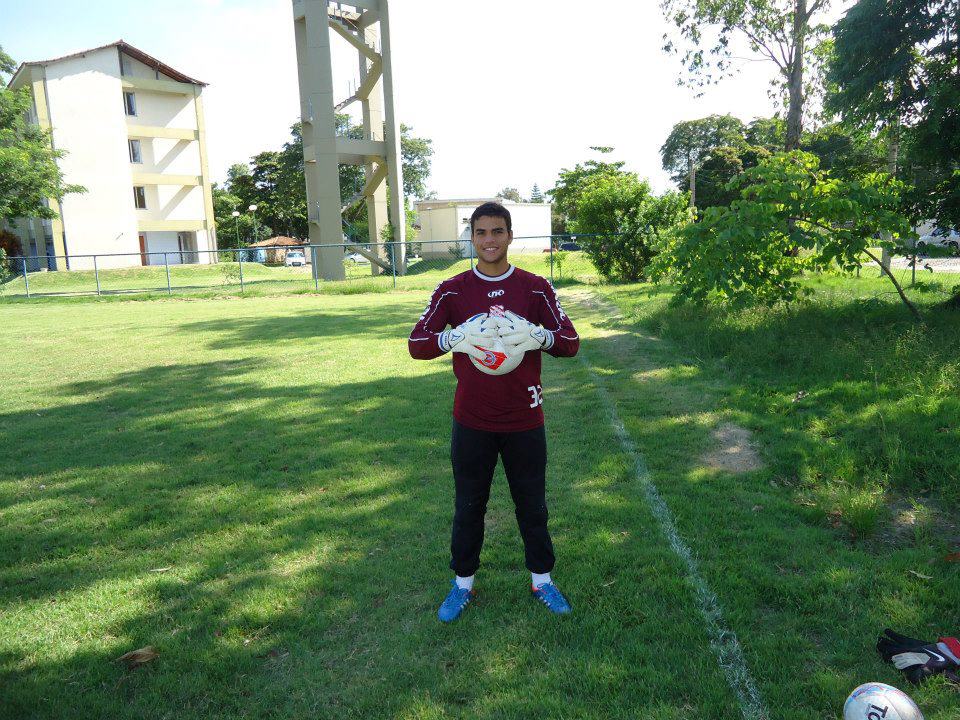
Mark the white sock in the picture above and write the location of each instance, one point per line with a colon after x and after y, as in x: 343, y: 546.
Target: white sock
x: 465, y: 583
x: 538, y: 579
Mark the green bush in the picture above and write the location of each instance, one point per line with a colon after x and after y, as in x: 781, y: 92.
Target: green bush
x: 626, y: 224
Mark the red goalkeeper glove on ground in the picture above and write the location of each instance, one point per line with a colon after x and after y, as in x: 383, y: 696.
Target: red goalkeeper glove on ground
x: 919, y: 659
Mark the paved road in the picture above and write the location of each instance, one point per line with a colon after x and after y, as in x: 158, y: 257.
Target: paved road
x: 944, y: 265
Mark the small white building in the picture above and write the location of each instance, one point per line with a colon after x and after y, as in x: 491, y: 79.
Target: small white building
x: 442, y: 221
x: 133, y: 133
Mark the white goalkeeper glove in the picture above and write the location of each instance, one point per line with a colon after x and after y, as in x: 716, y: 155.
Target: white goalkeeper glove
x: 520, y: 335
x: 480, y: 330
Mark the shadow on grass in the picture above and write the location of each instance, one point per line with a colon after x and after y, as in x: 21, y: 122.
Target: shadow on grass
x: 284, y: 549
x: 391, y: 322
x: 303, y: 530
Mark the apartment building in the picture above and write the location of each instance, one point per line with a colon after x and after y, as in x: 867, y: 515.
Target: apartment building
x: 133, y: 132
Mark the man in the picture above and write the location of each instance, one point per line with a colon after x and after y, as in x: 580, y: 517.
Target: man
x: 496, y: 415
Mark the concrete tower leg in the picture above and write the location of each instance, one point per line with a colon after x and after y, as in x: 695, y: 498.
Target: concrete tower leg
x: 358, y: 23
x: 321, y: 167
x: 372, y: 107
x: 398, y: 215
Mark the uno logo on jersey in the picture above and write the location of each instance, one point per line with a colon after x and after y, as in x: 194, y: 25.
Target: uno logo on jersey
x: 495, y: 293
x: 491, y: 358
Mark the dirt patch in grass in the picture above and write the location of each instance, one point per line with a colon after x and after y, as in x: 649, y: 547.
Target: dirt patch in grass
x: 734, y: 450
x: 916, y: 521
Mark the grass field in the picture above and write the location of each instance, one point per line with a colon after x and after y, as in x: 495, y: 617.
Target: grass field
x: 259, y: 488
x: 259, y: 279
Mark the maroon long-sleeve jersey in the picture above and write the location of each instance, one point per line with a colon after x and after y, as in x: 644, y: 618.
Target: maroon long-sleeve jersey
x: 497, y: 403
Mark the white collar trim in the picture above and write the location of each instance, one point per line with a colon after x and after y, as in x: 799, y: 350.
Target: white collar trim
x: 505, y: 275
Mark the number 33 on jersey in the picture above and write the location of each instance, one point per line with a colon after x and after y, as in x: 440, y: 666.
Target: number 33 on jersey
x: 536, y: 392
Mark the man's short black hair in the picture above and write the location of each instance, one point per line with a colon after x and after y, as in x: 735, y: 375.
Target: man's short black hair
x: 491, y: 209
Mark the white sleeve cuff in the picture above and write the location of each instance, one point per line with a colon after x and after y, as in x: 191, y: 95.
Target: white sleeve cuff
x: 549, y: 343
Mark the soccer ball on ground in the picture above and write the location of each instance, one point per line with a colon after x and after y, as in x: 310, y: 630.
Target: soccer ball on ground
x: 877, y: 701
x: 496, y: 361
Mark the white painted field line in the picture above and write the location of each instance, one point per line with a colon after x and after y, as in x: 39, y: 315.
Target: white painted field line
x: 723, y: 640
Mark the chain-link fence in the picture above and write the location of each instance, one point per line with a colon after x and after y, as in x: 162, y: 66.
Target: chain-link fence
x: 932, y: 273
x: 344, y: 267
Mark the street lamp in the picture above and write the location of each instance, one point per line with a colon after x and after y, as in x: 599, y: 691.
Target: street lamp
x: 236, y: 215
x: 253, y: 209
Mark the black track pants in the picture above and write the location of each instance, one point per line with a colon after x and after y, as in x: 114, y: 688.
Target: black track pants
x: 474, y: 456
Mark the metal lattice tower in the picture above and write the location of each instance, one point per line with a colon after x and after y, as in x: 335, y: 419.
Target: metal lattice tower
x: 365, y: 25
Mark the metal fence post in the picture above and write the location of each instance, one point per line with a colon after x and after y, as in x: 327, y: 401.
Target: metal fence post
x: 471, y: 254
x: 96, y: 273
x: 26, y: 280
x: 393, y: 263
x: 314, y: 268
x: 551, y: 259
x: 166, y: 265
x: 913, y: 274
x: 240, y: 258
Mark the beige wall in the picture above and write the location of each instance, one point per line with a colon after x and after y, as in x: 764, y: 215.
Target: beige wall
x: 531, y: 226
x: 86, y: 111
x: 436, y: 225
x: 530, y: 219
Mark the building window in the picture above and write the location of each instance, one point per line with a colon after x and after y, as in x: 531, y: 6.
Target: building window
x: 140, y: 197
x: 135, y: 154
x: 130, y: 103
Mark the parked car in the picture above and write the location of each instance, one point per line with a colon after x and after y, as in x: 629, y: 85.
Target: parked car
x: 570, y: 246
x: 295, y: 258
x: 940, y: 237
x: 355, y: 258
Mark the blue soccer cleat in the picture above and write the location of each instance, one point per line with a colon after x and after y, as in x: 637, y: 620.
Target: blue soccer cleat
x: 456, y: 600
x: 549, y: 595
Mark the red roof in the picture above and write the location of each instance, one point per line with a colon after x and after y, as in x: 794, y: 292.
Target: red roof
x: 278, y: 240
x: 127, y: 48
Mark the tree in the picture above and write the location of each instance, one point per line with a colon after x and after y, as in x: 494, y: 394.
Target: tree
x: 236, y: 231
x: 690, y: 141
x: 571, y: 184
x: 7, y: 65
x: 536, y: 195
x: 510, y: 193
x: 10, y: 247
x: 29, y: 175
x: 274, y: 181
x: 847, y: 152
x: 416, y: 152
x: 743, y: 254
x: 895, y: 67
x: 721, y: 166
x: 782, y: 31
x: 768, y: 133
x: 625, y: 224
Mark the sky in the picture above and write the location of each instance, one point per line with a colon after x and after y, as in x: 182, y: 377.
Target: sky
x: 509, y: 91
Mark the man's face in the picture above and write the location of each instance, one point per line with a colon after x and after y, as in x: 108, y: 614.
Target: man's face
x: 491, y: 238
